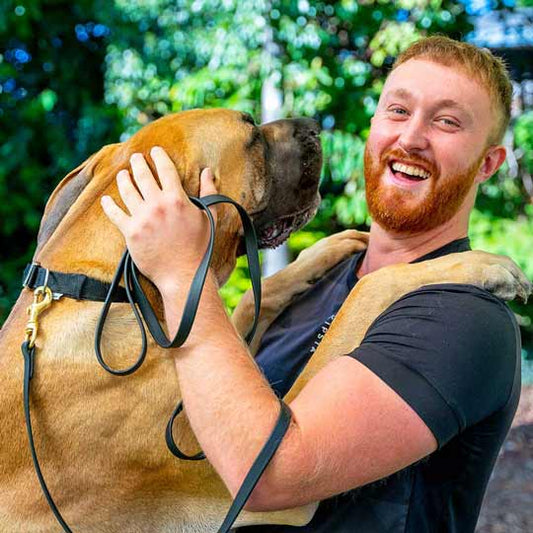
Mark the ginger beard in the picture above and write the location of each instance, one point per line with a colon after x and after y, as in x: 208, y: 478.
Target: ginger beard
x: 422, y: 209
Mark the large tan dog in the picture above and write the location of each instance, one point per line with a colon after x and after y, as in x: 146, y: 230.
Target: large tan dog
x: 100, y: 437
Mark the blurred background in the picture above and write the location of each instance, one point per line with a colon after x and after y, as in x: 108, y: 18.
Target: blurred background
x: 77, y: 75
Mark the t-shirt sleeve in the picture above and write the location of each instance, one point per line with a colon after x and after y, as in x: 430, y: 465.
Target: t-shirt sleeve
x: 450, y: 351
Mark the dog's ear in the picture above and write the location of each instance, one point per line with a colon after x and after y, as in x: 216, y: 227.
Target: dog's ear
x: 66, y: 193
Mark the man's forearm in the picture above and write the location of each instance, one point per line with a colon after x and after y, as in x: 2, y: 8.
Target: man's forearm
x: 230, y: 405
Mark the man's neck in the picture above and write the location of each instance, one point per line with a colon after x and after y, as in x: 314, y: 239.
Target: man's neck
x: 387, y: 248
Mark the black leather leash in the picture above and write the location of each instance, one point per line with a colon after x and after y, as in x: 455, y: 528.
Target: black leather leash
x: 29, y: 354
x: 53, y: 285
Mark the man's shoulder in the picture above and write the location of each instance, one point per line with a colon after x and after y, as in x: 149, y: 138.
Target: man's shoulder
x: 438, y: 344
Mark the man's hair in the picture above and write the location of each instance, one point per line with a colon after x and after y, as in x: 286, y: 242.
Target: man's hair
x: 479, y: 63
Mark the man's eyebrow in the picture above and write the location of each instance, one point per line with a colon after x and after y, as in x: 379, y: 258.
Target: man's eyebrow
x: 401, y: 93
x: 448, y: 102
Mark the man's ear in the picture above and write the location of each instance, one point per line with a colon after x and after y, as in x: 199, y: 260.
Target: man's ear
x: 492, y: 161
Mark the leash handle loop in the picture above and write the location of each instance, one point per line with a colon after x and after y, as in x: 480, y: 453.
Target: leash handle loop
x: 171, y: 443
x: 140, y: 303
x: 124, y: 261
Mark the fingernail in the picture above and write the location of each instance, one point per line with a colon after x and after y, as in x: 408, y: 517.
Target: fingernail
x: 208, y: 173
x: 135, y: 155
x: 104, y: 199
x: 123, y: 173
x: 156, y: 149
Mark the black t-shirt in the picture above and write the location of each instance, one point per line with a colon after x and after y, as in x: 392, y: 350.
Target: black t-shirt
x: 452, y: 352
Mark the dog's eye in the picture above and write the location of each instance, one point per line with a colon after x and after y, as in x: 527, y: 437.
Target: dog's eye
x: 246, y: 117
x: 255, y: 138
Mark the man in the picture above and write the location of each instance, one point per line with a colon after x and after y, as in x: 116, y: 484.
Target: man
x: 426, y: 400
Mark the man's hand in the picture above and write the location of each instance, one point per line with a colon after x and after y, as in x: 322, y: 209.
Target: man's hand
x: 165, y: 232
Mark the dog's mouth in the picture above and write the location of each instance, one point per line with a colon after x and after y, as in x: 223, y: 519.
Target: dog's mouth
x: 293, y: 162
x: 276, y: 232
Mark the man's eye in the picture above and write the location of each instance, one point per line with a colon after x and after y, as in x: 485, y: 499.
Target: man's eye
x: 449, y: 122
x: 398, y: 111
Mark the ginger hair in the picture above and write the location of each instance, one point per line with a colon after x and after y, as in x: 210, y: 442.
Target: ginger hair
x: 487, y: 69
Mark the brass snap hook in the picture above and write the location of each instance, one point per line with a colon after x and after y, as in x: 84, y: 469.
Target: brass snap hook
x: 42, y: 299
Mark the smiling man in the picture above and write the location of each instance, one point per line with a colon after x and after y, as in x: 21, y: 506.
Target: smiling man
x: 402, y: 434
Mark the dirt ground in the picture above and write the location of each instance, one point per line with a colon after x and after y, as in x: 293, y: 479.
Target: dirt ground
x: 508, y: 504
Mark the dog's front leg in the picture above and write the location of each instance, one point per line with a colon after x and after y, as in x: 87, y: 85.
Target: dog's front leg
x: 375, y: 292
x: 280, y: 289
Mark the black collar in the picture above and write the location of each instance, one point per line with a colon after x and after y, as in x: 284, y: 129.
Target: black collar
x: 75, y: 286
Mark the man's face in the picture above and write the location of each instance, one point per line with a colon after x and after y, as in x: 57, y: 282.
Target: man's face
x: 426, y: 146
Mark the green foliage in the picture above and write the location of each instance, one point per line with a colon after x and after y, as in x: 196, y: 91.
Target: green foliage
x: 512, y: 237
x: 176, y: 55
x: 343, y: 184
x: 523, y: 133
x: 52, y: 115
x: 237, y: 285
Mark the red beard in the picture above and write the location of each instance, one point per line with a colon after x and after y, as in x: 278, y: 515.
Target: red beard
x: 401, y: 210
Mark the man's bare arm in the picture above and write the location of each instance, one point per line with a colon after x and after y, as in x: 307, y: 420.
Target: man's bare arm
x: 349, y: 427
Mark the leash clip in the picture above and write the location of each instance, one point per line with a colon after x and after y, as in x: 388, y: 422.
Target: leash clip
x: 42, y: 298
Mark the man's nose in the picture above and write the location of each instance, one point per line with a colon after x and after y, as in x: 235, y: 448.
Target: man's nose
x: 413, y: 136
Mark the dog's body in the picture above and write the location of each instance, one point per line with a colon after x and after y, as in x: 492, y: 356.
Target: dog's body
x: 100, y: 437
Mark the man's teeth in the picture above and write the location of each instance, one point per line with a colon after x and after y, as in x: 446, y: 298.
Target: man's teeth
x: 410, y: 170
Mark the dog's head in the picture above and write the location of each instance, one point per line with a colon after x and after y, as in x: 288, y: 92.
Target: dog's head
x: 272, y: 170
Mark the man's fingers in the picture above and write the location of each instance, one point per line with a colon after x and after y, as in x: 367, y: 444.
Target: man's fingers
x: 114, y: 213
x: 129, y: 194
x: 167, y: 172
x: 143, y: 176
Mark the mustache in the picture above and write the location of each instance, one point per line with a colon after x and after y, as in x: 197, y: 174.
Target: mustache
x: 406, y: 157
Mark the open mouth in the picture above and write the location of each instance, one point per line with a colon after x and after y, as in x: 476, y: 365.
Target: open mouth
x: 409, y: 171
x: 272, y: 234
